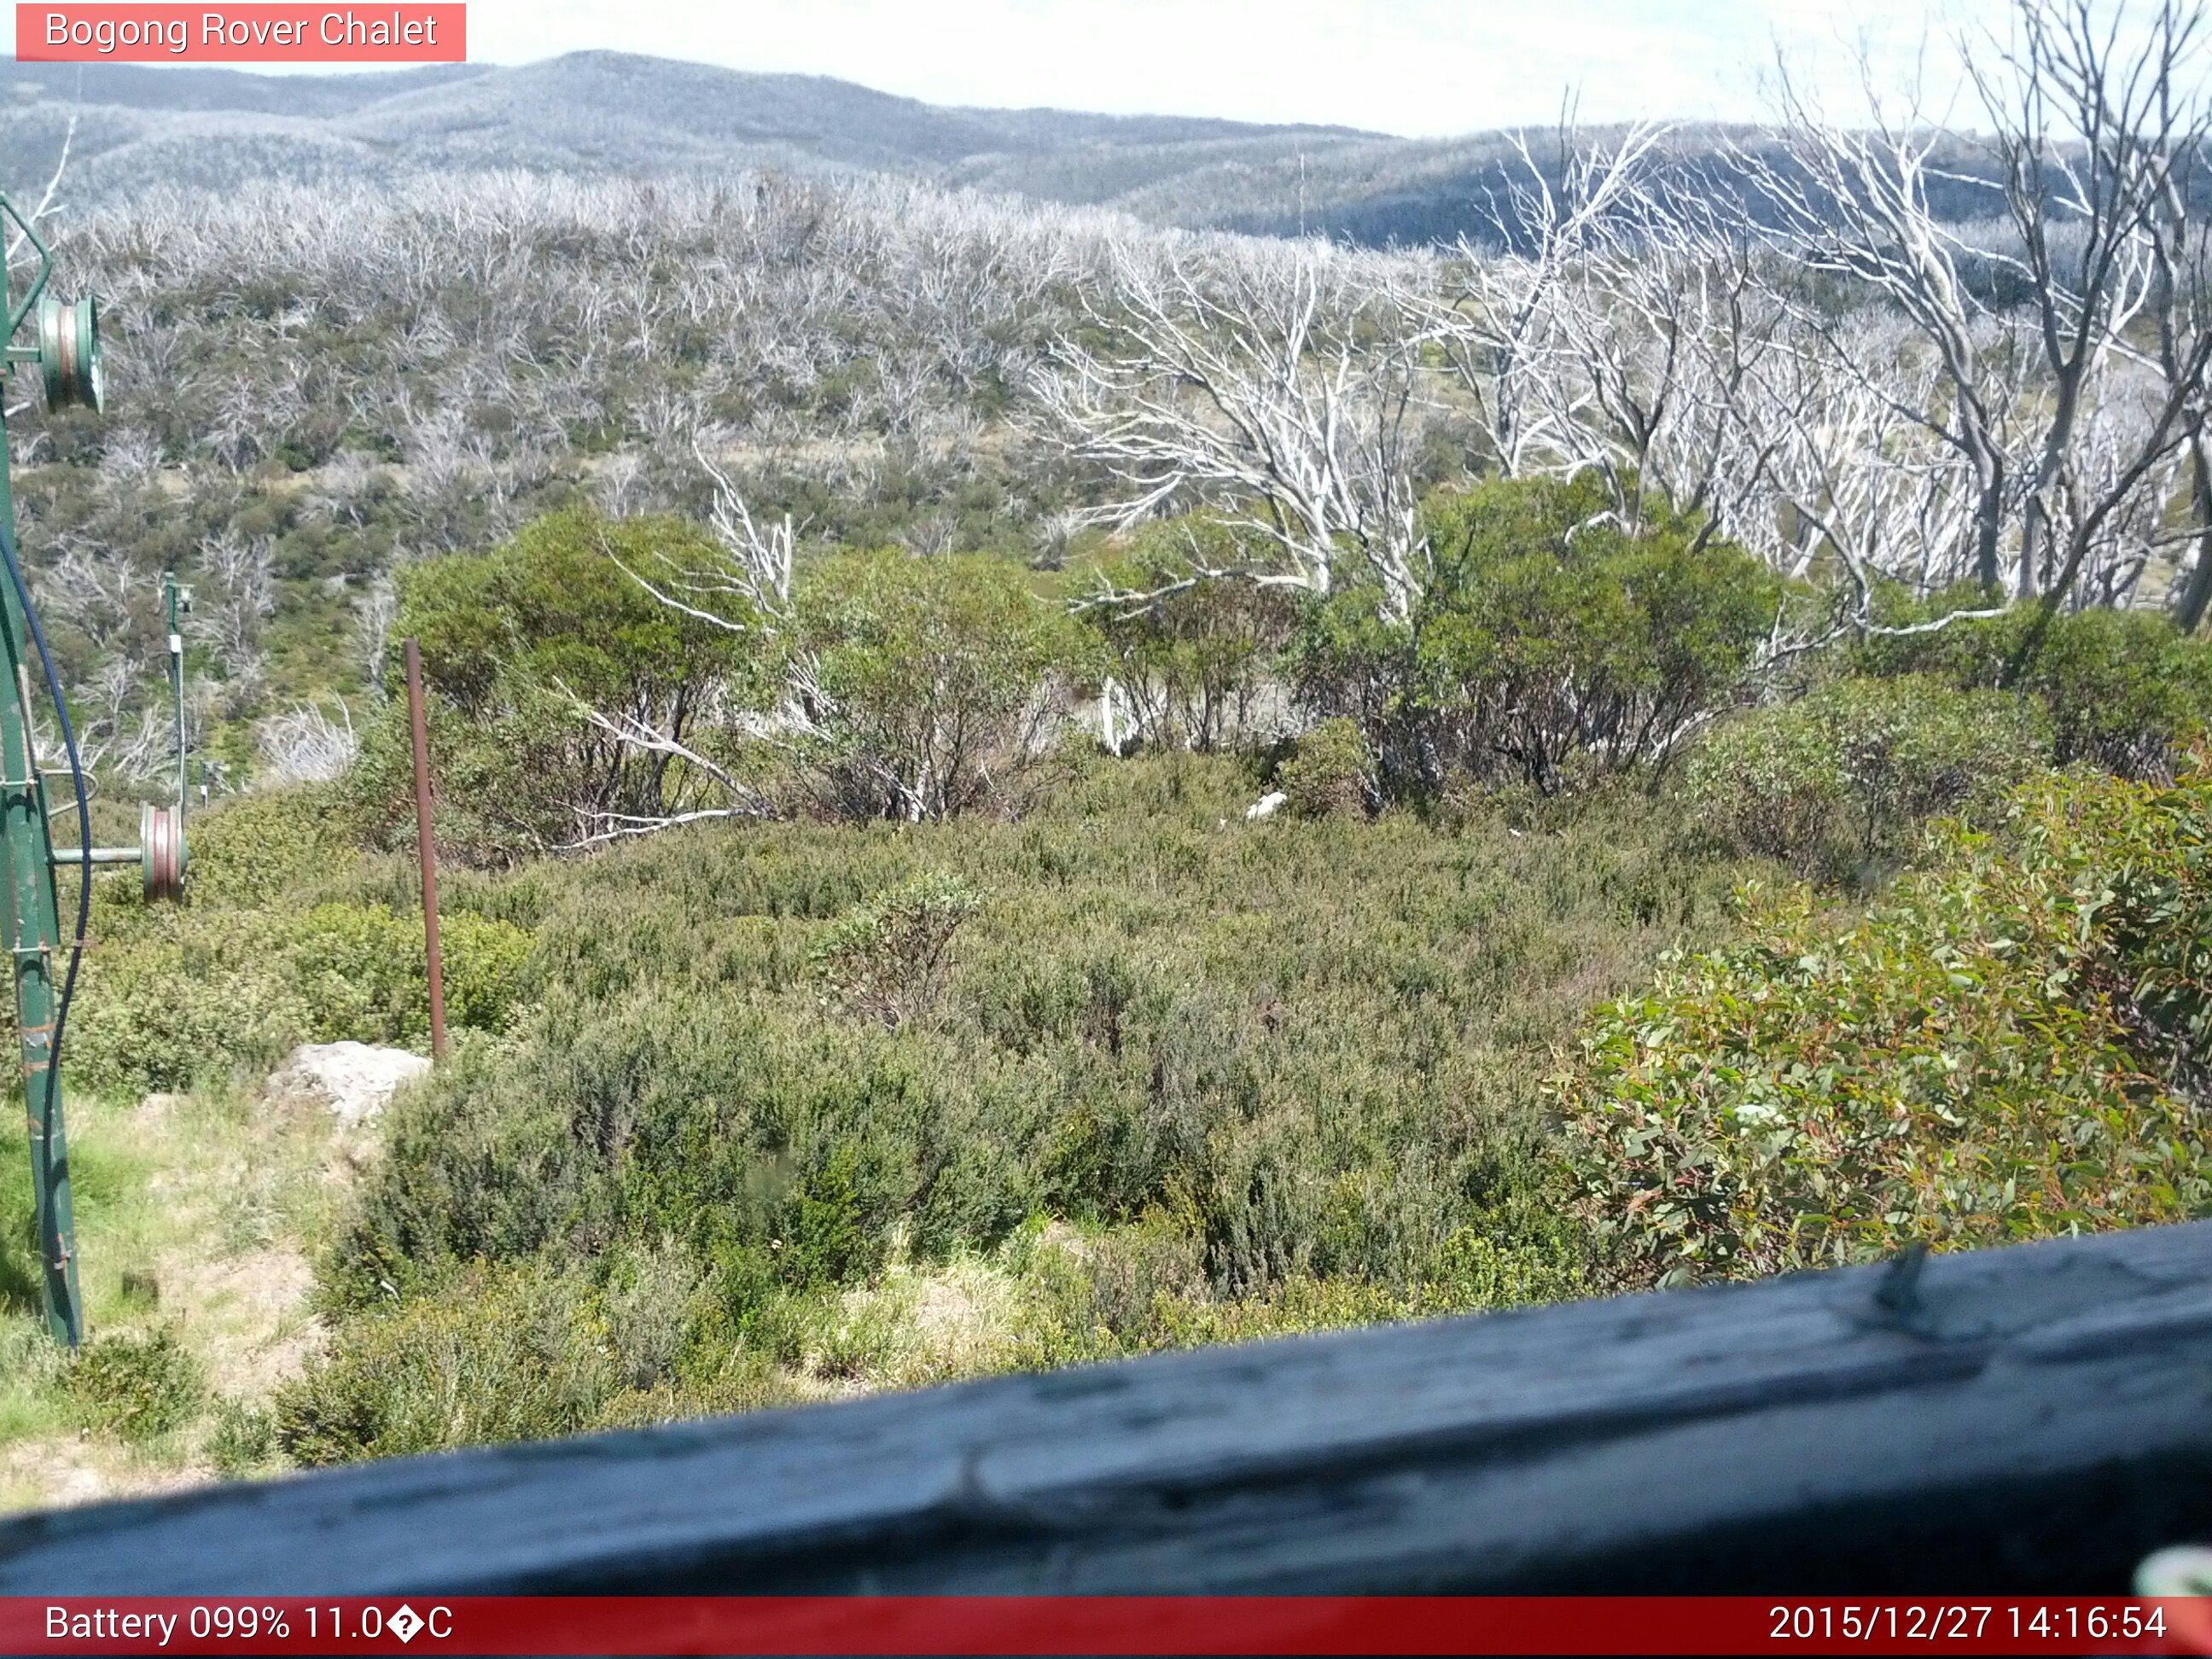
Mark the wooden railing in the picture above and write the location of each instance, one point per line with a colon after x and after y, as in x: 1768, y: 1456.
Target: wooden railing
x: 2028, y: 1420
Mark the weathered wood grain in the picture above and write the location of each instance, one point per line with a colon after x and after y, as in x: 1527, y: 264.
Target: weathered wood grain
x: 2035, y: 1419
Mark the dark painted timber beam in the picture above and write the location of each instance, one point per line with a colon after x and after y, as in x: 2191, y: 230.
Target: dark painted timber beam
x: 2030, y: 1419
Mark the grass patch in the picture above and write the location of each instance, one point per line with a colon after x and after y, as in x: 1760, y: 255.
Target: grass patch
x: 195, y: 1215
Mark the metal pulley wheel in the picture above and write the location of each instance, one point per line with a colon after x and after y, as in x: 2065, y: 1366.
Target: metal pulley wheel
x: 161, y: 852
x: 69, y: 353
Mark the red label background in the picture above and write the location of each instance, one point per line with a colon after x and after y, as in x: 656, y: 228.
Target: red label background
x: 31, y: 23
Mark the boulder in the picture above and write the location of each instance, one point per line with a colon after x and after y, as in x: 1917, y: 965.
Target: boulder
x: 357, y: 1079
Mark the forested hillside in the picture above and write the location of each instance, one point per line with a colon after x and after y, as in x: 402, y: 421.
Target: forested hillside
x: 1018, y: 786
x: 614, y: 114
x: 605, y: 115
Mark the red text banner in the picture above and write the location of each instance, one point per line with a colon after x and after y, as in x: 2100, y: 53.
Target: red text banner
x: 1097, y: 1625
x: 309, y: 33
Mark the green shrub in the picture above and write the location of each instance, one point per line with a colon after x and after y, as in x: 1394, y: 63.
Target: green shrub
x: 2008, y: 1047
x: 1317, y: 1048
x: 514, y: 643
x: 927, y: 683
x: 495, y: 1354
x: 504, y: 1354
x: 1191, y: 657
x: 244, y: 1440
x: 182, y: 1002
x: 141, y: 1384
x: 201, y: 990
x: 1143, y: 1288
x: 649, y: 1307
x: 886, y: 959
x: 267, y: 847
x: 2124, y: 690
x: 362, y: 969
x: 1477, y: 1269
x: 1550, y: 643
x: 1329, y: 775
x: 1849, y: 772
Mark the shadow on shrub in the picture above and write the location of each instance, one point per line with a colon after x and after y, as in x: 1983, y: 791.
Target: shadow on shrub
x: 1842, y: 778
x: 2124, y: 690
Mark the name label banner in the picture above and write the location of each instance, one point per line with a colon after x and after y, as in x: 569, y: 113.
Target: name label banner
x: 261, y: 33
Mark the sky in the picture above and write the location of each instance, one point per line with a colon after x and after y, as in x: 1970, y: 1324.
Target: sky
x: 1419, y: 67
x: 1415, y: 67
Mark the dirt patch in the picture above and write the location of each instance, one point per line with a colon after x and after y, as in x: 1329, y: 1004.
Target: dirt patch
x: 214, y: 1243
x: 245, y: 1306
x: 248, y: 1314
x: 155, y: 1110
x: 59, y: 1471
x: 960, y: 1319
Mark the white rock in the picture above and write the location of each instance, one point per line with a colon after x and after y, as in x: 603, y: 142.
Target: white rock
x: 357, y: 1080
x: 1266, y: 806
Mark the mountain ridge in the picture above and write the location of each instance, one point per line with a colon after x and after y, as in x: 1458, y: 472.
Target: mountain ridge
x: 139, y: 127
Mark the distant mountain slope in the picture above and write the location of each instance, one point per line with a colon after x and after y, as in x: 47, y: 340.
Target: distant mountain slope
x: 587, y: 112
x: 141, y: 127
x: 141, y: 87
x: 603, y: 112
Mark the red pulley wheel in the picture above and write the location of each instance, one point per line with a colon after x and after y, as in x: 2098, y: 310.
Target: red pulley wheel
x: 161, y: 853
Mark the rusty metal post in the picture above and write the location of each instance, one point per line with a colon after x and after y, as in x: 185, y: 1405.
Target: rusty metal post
x: 425, y: 850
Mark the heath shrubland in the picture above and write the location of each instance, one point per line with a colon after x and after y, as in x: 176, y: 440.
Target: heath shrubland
x: 1587, y: 952
x: 859, y: 624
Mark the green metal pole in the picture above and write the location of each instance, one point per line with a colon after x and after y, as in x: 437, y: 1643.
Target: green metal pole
x: 177, y: 684
x: 31, y: 920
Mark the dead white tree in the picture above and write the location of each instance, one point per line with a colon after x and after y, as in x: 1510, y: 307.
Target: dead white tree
x: 2094, y: 125
x: 1668, y: 323
x: 746, y: 591
x: 702, y: 776
x: 1280, y: 389
x: 1856, y: 490
x: 1853, y: 202
x: 304, y: 744
x: 19, y: 237
x: 18, y: 246
x: 1503, y: 305
x: 238, y: 594
x: 2088, y: 130
x: 2181, y: 307
x: 2109, y: 511
x: 375, y: 611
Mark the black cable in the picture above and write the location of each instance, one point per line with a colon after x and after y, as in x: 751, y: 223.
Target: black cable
x: 84, y: 817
